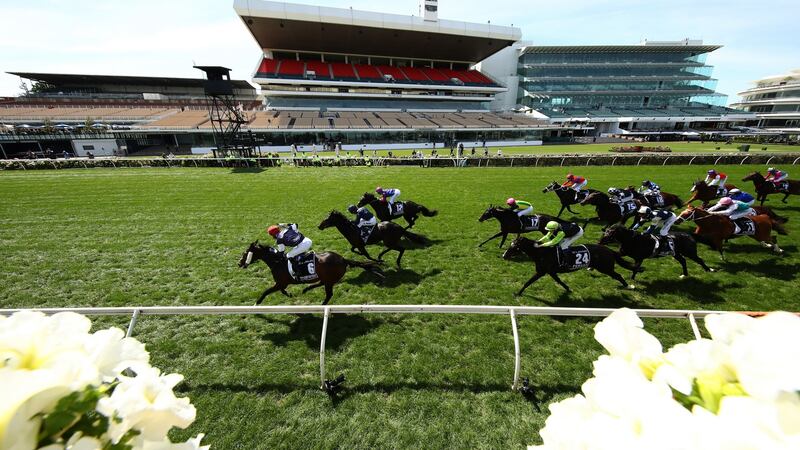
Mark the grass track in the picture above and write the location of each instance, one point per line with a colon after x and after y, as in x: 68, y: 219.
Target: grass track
x: 173, y: 237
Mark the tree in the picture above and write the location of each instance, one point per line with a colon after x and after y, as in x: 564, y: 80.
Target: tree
x: 23, y: 88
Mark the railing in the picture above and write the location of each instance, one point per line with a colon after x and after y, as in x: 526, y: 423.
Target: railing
x: 327, y: 311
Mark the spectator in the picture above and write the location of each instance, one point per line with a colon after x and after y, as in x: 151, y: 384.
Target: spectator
x: 66, y: 154
x: 90, y: 155
x: 485, y: 151
x: 473, y: 151
x: 171, y: 155
x: 499, y: 152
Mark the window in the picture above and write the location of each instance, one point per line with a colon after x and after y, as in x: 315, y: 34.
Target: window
x: 88, y: 147
x: 431, y: 8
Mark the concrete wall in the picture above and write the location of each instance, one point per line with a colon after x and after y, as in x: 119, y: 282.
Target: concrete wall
x: 502, y: 66
x: 98, y: 147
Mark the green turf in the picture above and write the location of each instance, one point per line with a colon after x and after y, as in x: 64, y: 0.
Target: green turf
x: 173, y: 237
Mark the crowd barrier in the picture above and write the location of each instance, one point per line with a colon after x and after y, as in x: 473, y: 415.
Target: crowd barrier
x: 512, y: 312
x: 706, y: 159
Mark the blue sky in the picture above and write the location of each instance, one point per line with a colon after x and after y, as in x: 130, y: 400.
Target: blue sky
x: 165, y: 37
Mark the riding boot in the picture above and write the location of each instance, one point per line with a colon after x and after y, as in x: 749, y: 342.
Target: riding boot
x: 289, y: 266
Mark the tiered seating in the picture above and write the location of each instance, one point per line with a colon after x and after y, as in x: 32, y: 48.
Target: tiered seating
x: 434, y: 74
x: 368, y: 73
x: 320, y: 69
x: 414, y: 74
x: 184, y: 119
x: 291, y: 69
x: 268, y: 66
x: 395, y: 72
x: 342, y: 71
x: 385, y: 120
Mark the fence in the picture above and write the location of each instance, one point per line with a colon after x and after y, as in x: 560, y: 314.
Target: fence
x: 511, y: 311
x: 783, y: 159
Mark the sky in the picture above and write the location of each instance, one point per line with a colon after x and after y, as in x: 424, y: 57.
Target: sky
x: 167, y: 37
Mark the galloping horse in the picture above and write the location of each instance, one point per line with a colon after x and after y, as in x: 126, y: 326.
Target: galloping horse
x: 510, y: 223
x: 330, y: 269
x: 765, y: 188
x: 641, y: 246
x: 713, y: 230
x: 568, y: 196
x: 410, y: 211
x: 608, y: 211
x: 670, y: 200
x: 548, y: 261
x: 705, y: 193
x: 388, y: 233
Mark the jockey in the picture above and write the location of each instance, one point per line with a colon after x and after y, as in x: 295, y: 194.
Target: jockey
x: 287, y: 235
x: 659, y: 218
x: 732, y: 208
x: 715, y: 178
x: 560, y: 234
x: 649, y: 188
x: 575, y: 183
x: 525, y: 208
x: 776, y: 176
x: 620, y: 196
x: 388, y: 195
x: 364, y: 218
x: 743, y: 197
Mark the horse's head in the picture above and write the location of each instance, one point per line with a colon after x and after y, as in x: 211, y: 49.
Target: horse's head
x: 551, y: 187
x: 755, y: 176
x: 518, y: 246
x: 613, y: 233
x: 489, y: 213
x: 595, y: 198
x: 252, y: 253
x: 334, y: 218
x: 366, y: 199
x: 689, y: 214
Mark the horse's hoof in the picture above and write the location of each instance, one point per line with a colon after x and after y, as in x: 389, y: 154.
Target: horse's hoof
x: 711, y: 269
x: 682, y: 277
x: 631, y: 287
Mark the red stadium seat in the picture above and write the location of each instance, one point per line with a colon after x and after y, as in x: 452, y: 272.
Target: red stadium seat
x: 480, y: 78
x: 395, y: 72
x: 291, y: 68
x: 366, y: 72
x: 414, y: 74
x: 269, y: 66
x: 435, y: 75
x: 458, y: 74
x: 343, y: 71
x: 320, y: 69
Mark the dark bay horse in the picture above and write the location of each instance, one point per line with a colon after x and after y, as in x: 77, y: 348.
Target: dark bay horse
x: 670, y: 200
x: 641, y: 246
x: 608, y: 211
x: 705, y: 193
x: 713, y: 230
x: 765, y: 188
x: 546, y: 260
x: 330, y: 269
x: 387, y: 233
x: 411, y: 210
x: 567, y: 196
x: 510, y: 223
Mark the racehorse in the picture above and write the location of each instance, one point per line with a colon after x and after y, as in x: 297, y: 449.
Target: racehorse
x: 330, y: 269
x: 510, y: 223
x: 765, y: 188
x: 548, y: 261
x: 387, y: 233
x: 608, y: 211
x: 705, y: 193
x: 713, y: 230
x: 670, y: 200
x: 410, y: 212
x: 642, y: 246
x: 568, y: 196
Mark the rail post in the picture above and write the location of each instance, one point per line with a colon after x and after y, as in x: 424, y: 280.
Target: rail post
x: 692, y: 160
x: 743, y: 160
x: 665, y: 161
x: 695, y: 329
x: 134, y: 319
x: 322, y: 339
x: 517, y: 362
x: 795, y: 161
x: 717, y: 161
x: 613, y: 160
x: 770, y: 159
x: 639, y: 161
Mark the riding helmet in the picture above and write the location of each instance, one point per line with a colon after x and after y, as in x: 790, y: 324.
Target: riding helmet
x: 772, y: 170
x: 273, y: 230
x: 379, y: 190
x: 352, y: 209
x: 712, y: 172
x: 645, y: 210
x: 551, y: 226
x: 735, y: 191
x: 613, y: 191
x: 726, y: 201
x: 570, y: 176
x: 646, y: 183
x: 511, y: 202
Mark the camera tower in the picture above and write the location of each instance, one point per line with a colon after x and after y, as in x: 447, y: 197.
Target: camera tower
x: 225, y: 114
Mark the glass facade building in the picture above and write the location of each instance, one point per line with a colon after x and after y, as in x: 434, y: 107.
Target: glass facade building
x: 587, y: 78
x: 774, y: 100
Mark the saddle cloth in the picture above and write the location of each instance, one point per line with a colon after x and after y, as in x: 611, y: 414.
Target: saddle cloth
x: 529, y: 223
x: 782, y: 186
x: 664, y: 246
x: 655, y: 200
x: 627, y: 208
x: 744, y: 227
x: 366, y: 232
x: 722, y: 192
x: 574, y: 258
x: 305, y: 267
x: 397, y: 210
x: 581, y: 196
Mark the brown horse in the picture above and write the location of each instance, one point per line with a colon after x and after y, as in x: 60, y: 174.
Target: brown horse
x: 765, y: 188
x: 713, y: 230
x: 705, y: 193
x: 330, y: 269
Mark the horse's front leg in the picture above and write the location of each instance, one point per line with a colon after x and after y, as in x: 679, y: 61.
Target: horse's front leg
x: 554, y: 276
x: 274, y: 288
x: 530, y: 282
x: 491, y: 238
x: 785, y: 197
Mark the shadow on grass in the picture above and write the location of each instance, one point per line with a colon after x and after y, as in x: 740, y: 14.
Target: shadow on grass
x: 394, y: 278
x: 256, y: 170
x: 775, y: 268
x: 694, y: 288
x: 565, y: 299
x: 751, y: 247
x: 308, y: 329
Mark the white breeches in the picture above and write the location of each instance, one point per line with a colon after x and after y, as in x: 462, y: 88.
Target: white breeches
x: 302, y: 247
x: 568, y: 241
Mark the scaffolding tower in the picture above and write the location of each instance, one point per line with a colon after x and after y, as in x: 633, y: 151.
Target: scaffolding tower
x: 226, y: 115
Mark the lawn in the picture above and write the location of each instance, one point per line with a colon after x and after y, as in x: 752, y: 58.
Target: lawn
x: 174, y: 236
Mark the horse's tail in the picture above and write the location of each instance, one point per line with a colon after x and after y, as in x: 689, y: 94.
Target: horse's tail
x: 372, y: 267
x: 415, y: 238
x: 622, y: 262
x: 427, y: 212
x: 778, y: 226
x: 678, y: 202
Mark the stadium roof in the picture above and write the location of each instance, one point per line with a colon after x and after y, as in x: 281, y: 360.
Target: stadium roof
x: 638, y: 48
x: 83, y: 80
x: 318, y: 29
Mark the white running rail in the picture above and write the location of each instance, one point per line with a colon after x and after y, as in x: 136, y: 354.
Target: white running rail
x: 328, y: 311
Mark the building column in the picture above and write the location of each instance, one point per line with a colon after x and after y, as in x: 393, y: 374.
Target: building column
x: 3, y: 151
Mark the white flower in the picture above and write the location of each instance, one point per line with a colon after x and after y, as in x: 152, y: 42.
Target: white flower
x: 683, y: 363
x: 191, y: 444
x: 77, y: 442
x: 112, y: 352
x: 147, y: 404
x: 724, y: 328
x: 623, y: 336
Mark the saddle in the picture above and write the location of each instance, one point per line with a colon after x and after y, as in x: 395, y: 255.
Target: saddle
x: 574, y: 258
x: 366, y: 232
x: 305, y: 267
x: 397, y: 210
x: 627, y: 208
x: 581, y: 196
x: 744, y: 227
x: 722, y: 191
x: 783, y: 186
x: 655, y: 200
x: 663, y: 246
x: 529, y: 223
